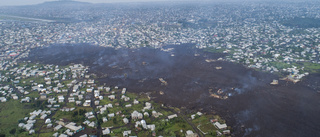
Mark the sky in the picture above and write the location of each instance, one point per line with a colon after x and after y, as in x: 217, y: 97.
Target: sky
x: 31, y: 2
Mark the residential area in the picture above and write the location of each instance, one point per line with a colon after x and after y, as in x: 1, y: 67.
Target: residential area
x: 64, y: 101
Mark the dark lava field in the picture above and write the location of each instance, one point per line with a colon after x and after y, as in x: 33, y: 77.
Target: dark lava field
x: 253, y: 108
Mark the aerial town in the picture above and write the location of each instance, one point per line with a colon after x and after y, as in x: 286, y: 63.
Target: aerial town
x: 64, y: 101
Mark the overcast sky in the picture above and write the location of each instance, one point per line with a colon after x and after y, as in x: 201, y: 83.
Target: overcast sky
x: 30, y: 2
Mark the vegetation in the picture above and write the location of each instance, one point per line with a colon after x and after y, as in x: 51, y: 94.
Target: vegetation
x: 309, y: 66
x: 11, y: 112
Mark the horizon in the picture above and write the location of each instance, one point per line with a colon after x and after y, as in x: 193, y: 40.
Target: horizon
x: 35, y: 2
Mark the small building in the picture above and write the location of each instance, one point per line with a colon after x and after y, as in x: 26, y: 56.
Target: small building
x: 220, y: 126
x: 111, y: 115
x: 104, y: 119
x: 112, y: 97
x: 60, y: 99
x: 126, y: 133
x: 172, y: 116
x: 151, y: 127
x: 3, y: 99
x: 226, y: 132
x: 106, y: 131
x: 97, y: 102
x: 124, y: 91
x: 57, y: 127
x: 43, y: 96
x: 125, y: 121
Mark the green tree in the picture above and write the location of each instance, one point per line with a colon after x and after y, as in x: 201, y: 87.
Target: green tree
x: 114, y: 120
x: 12, y: 131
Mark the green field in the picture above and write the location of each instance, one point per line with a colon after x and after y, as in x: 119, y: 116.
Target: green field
x: 11, y: 112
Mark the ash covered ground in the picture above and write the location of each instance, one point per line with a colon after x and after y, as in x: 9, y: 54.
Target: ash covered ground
x: 253, y: 108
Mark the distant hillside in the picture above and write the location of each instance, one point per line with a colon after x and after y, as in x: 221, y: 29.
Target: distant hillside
x: 64, y: 3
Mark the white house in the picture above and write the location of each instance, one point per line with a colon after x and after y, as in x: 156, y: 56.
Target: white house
x: 220, y: 126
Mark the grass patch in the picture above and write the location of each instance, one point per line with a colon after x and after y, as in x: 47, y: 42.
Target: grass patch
x: 172, y: 127
x: 62, y: 114
x: 34, y: 94
x: 113, y: 122
x: 280, y: 65
x: 10, y: 113
x: 309, y: 66
x: 48, y: 134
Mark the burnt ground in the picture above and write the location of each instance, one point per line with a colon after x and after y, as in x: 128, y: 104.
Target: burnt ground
x: 255, y: 108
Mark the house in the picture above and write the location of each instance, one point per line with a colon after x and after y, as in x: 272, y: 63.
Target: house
x: 90, y: 81
x: 136, y: 115
x: 226, y: 132
x: 80, y: 97
x: 112, y: 97
x: 60, y: 99
x: 71, y: 99
x: 103, y: 109
x: 3, y: 99
x: 43, y: 96
x: 96, y: 102
x: 129, y: 105
x: 144, y: 124
x: 55, y: 134
x: 104, y: 119
x: 151, y: 127
x: 124, y: 91
x: 57, y: 127
x: 92, y: 124
x: 28, y: 126
x: 111, y: 115
x: 31, y: 132
x: 190, y: 133
x: 125, y: 121
x: 26, y: 99
x: 89, y: 90
x: 63, y: 135
x: 108, y: 89
x: 15, y: 97
x: 193, y: 116
x: 43, y: 116
x: 78, y: 103
x: 49, y: 126
x: 48, y: 83
x: 148, y: 106
x: 40, y: 85
x: 87, y: 103
x: 72, y: 126
x: 220, y: 126
x: 126, y: 133
x: 84, y: 135
x: 219, y: 133
x: 68, y: 132
x: 135, y: 102
x: 172, y: 116
x: 146, y: 114
x: 106, y: 131
x: 48, y: 121
x: 109, y: 105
